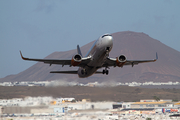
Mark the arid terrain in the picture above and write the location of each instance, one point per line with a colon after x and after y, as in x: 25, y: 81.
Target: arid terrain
x: 119, y: 93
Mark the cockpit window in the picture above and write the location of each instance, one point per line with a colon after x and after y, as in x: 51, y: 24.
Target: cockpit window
x: 106, y: 35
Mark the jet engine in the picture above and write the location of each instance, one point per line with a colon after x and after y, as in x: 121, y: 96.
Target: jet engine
x: 76, y: 60
x: 120, y: 61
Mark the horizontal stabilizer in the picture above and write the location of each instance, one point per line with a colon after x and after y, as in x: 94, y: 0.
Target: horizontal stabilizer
x: 65, y: 72
x: 72, y: 72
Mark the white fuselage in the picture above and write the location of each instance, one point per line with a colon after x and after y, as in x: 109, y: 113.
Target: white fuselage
x: 98, y: 52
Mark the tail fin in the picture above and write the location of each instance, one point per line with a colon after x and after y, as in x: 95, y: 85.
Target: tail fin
x: 79, y: 50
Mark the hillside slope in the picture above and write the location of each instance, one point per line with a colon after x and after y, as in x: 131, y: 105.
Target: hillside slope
x: 133, y: 45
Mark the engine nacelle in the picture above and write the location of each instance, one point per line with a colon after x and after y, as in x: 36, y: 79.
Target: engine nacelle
x: 76, y: 60
x: 120, y: 61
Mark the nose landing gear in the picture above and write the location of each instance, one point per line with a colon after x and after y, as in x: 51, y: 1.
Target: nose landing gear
x: 107, y: 51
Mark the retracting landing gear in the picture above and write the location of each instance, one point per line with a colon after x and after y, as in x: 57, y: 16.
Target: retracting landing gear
x: 105, y: 71
x: 107, y: 51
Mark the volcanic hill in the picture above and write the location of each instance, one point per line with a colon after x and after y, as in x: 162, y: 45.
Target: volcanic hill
x: 135, y: 46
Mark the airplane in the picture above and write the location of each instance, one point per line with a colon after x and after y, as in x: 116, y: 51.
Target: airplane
x: 97, y: 57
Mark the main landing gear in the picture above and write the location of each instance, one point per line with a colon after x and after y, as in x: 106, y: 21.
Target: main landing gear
x: 105, y: 71
x: 83, y: 71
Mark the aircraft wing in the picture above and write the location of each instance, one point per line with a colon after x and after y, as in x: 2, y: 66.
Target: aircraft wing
x: 112, y: 62
x: 59, y: 62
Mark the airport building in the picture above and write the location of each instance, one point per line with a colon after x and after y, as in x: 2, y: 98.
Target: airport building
x: 48, y: 106
x: 151, y: 104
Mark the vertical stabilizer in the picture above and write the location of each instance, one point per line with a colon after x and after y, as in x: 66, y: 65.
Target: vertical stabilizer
x: 79, y: 50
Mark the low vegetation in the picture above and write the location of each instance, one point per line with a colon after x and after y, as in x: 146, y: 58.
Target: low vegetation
x: 119, y: 93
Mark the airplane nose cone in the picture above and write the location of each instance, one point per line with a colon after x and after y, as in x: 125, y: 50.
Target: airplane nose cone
x: 109, y: 41
x: 106, y: 41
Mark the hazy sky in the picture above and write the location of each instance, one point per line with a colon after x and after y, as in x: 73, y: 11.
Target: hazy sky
x: 40, y: 27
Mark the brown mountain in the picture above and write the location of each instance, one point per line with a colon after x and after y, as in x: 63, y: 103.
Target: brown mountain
x: 133, y: 45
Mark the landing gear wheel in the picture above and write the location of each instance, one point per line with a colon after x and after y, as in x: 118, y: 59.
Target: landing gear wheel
x: 107, y: 72
x: 103, y: 72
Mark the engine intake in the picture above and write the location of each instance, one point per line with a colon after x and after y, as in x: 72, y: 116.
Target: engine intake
x: 120, y: 61
x: 76, y: 60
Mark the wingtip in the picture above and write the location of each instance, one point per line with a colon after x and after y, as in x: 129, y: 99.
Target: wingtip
x: 156, y: 56
x: 22, y: 56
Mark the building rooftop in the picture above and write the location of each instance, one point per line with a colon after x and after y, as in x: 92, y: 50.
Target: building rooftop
x: 138, y: 109
x: 177, y: 103
x: 150, y: 102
